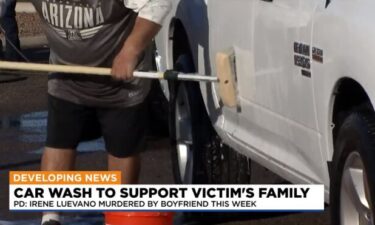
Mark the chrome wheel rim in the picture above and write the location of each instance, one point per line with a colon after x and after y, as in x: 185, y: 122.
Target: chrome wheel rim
x: 355, y: 207
x: 184, y: 136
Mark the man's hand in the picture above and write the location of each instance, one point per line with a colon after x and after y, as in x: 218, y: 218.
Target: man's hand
x: 124, y: 64
x: 141, y: 36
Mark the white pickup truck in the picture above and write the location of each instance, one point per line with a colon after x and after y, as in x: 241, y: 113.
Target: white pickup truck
x: 305, y: 85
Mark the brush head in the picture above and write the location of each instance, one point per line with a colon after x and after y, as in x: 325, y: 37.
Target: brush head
x: 227, y: 81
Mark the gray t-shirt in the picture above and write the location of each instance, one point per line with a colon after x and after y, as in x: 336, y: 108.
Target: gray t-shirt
x: 90, y: 33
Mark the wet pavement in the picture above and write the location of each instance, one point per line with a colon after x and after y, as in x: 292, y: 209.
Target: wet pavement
x: 22, y: 134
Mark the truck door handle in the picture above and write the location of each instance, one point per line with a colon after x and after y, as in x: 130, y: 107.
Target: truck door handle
x: 267, y: 0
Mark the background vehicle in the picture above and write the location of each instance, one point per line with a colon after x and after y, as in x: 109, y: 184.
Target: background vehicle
x: 305, y: 89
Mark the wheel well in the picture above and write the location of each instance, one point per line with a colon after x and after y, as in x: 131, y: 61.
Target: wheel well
x: 349, y: 94
x: 180, y: 41
x: 180, y: 46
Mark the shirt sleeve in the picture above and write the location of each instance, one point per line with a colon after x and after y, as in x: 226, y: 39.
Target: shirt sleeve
x: 153, y: 10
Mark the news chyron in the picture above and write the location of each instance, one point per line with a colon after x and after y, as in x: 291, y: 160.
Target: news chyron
x: 103, y: 191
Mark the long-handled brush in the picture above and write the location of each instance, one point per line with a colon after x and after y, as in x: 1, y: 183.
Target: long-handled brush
x: 225, y: 73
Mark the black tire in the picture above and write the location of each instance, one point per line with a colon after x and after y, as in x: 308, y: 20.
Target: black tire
x: 158, y: 108
x: 354, y: 149
x: 157, y: 105
x: 213, y: 162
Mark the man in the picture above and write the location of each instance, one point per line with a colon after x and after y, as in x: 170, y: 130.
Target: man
x: 107, y: 33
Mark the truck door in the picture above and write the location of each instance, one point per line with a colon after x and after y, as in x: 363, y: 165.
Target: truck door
x: 230, y: 27
x: 278, y: 116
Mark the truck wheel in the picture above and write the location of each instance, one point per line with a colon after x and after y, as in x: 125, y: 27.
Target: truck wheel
x: 352, y: 191
x: 198, y: 154
x: 158, y: 108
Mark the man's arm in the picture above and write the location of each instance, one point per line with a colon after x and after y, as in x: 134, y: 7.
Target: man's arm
x: 148, y: 23
x: 141, y: 36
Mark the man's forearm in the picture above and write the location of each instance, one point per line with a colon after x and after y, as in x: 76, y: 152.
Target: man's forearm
x: 150, y: 17
x: 141, y: 36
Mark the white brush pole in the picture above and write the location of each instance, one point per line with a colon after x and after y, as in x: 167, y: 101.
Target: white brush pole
x: 101, y: 71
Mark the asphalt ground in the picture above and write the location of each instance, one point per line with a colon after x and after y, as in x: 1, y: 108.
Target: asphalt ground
x: 22, y: 134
